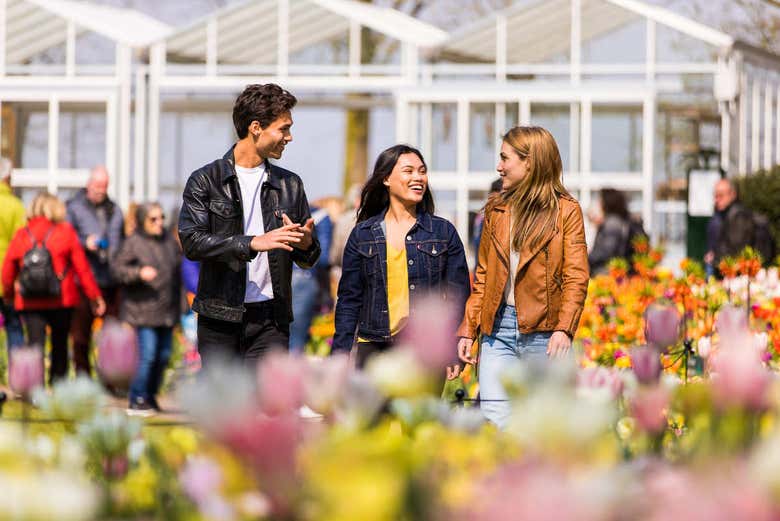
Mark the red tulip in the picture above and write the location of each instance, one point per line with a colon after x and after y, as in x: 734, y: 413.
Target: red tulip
x: 117, y: 353
x: 25, y: 370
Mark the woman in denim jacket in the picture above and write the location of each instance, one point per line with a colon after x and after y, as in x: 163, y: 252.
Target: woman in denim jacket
x: 397, y: 253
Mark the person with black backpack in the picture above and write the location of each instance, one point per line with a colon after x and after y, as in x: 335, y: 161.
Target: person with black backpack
x: 39, y: 277
x: 615, y: 234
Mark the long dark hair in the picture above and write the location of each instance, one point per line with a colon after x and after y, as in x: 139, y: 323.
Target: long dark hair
x: 374, y: 199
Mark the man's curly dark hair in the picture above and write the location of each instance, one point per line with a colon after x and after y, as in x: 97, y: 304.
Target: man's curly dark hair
x: 261, y: 103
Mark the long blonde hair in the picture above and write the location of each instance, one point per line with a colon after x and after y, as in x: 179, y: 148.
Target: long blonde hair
x: 534, y: 200
x: 48, y: 206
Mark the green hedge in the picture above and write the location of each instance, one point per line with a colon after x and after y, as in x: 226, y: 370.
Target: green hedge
x: 761, y: 193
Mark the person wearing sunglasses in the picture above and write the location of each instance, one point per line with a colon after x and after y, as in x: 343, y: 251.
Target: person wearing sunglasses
x: 148, y: 269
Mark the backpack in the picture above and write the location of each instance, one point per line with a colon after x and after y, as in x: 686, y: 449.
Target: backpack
x: 37, y: 278
x: 763, y: 242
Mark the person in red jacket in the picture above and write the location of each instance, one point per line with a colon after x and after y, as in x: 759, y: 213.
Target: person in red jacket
x: 47, y: 222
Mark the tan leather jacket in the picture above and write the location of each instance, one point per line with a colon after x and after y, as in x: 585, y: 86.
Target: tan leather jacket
x: 551, y: 280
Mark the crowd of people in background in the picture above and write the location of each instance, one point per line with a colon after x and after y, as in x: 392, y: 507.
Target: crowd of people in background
x: 257, y: 262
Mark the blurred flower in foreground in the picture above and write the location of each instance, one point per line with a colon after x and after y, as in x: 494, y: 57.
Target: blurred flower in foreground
x: 48, y: 495
x: 117, y: 358
x: 398, y: 373
x: 280, y: 379
x: 600, y: 379
x: 662, y: 325
x: 430, y: 334
x: 201, y: 479
x: 731, y: 325
x: 646, y: 364
x: 72, y: 400
x: 325, y: 382
x: 25, y: 370
x: 739, y: 379
x: 649, y: 407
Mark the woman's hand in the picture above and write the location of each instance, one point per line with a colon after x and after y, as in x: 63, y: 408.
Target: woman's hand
x: 453, y: 371
x: 559, y: 345
x: 464, y: 350
x: 99, y: 307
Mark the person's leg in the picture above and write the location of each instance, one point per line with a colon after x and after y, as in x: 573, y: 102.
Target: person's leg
x: 305, y: 291
x: 81, y: 332
x: 164, y: 346
x: 218, y: 340
x: 35, y: 324
x: 497, y: 356
x: 13, y: 326
x: 147, y: 352
x: 366, y: 350
x: 532, y: 347
x: 59, y: 324
x: 261, y: 334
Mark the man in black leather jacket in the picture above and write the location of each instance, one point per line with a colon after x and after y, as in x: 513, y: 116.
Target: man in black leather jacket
x: 247, y: 220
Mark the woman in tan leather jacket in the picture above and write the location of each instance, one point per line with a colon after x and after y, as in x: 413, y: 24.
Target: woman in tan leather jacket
x: 532, y: 273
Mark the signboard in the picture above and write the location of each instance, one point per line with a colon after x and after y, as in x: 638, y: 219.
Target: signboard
x: 701, y: 185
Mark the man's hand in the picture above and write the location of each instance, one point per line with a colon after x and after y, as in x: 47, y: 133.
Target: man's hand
x: 92, y: 242
x: 148, y: 273
x: 278, y: 239
x: 559, y: 345
x: 464, y: 351
x: 306, y: 229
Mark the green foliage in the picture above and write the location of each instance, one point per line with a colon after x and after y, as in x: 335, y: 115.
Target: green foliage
x: 761, y: 192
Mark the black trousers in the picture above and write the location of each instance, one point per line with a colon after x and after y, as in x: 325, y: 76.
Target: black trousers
x: 365, y: 350
x: 256, y: 335
x: 58, y: 321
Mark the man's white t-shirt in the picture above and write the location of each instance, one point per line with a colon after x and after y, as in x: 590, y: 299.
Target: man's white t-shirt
x: 258, y: 275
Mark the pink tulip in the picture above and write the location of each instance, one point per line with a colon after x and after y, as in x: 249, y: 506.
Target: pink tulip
x: 740, y: 379
x: 731, y: 325
x: 600, y: 378
x: 325, y: 382
x: 430, y: 333
x: 200, y: 479
x: 115, y: 467
x: 662, y: 326
x: 25, y: 370
x: 646, y: 364
x: 117, y: 347
x: 649, y: 408
x: 280, y: 383
x: 523, y: 492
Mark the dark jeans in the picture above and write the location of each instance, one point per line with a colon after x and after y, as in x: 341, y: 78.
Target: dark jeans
x: 154, y: 350
x: 81, y: 326
x: 365, y: 350
x: 306, y: 295
x: 58, y: 321
x: 248, y: 341
x: 14, y: 334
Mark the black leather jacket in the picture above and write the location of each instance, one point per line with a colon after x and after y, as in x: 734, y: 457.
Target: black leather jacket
x: 211, y: 228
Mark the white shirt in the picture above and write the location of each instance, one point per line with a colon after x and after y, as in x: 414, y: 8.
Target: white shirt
x: 514, y: 261
x: 258, y: 274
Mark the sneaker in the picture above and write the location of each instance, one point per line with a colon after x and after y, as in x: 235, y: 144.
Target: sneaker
x: 140, y: 407
x: 156, y: 406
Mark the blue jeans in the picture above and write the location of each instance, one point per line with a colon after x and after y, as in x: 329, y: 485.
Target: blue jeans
x: 305, y: 293
x: 502, y: 351
x: 154, y: 346
x: 14, y: 334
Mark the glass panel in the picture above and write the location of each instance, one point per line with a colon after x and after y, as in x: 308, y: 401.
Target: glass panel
x: 616, y: 139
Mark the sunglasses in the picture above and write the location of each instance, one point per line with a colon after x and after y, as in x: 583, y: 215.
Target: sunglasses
x: 155, y: 218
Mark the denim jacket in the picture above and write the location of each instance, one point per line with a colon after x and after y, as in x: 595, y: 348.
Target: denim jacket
x: 436, y: 264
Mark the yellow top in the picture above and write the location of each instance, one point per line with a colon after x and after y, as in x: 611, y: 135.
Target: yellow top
x: 397, y: 288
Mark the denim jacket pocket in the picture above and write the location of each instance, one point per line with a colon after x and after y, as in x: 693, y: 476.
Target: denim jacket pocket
x: 433, y: 256
x: 369, y: 257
